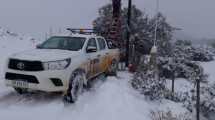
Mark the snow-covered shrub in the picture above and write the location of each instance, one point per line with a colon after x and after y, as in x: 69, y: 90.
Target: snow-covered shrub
x: 210, y: 49
x: 168, y: 115
x: 169, y: 67
x: 208, y: 100
x: 146, y: 83
x: 179, y: 67
x: 181, y: 97
x: 178, y: 96
x: 185, y: 50
x: 202, y: 54
x: 188, y: 98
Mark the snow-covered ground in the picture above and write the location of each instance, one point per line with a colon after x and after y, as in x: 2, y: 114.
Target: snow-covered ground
x: 112, y: 99
x: 181, y: 85
x: 209, y: 70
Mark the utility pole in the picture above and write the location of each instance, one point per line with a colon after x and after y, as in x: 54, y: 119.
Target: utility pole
x: 128, y: 32
x: 115, y: 30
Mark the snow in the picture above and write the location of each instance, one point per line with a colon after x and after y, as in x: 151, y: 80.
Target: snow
x: 181, y: 85
x: 112, y: 99
x: 209, y: 70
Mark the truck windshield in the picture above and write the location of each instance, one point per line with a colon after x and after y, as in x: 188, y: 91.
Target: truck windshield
x: 63, y: 43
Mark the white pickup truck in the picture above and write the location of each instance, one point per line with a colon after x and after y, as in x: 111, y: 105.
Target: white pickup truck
x: 63, y: 63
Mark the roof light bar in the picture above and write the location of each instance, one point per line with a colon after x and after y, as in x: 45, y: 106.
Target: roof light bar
x: 82, y: 31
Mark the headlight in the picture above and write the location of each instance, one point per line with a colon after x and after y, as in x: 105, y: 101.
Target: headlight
x: 57, y: 65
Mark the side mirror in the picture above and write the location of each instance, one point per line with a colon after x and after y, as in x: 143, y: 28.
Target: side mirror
x: 91, y: 49
x: 111, y: 45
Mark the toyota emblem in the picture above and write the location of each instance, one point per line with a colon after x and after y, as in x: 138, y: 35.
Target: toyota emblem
x: 21, y: 66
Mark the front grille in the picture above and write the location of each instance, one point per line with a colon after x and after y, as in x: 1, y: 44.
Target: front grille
x: 25, y: 65
x: 21, y: 77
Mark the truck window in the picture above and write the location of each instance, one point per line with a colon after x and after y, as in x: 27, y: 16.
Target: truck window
x: 102, y: 44
x: 64, y: 43
x: 92, y: 43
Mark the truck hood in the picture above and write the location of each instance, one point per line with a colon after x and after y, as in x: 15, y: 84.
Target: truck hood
x: 45, y: 55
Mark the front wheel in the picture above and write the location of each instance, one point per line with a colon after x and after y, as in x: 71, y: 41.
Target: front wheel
x: 76, y: 84
x: 20, y: 90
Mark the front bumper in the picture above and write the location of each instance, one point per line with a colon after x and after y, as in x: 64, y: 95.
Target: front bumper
x: 47, y: 81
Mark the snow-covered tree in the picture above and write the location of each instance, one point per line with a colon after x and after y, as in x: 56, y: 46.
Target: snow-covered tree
x: 182, y: 62
x: 103, y: 22
x: 185, y: 50
x: 142, y: 28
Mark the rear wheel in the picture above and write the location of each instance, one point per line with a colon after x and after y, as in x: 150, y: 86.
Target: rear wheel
x: 75, y: 87
x: 112, y: 70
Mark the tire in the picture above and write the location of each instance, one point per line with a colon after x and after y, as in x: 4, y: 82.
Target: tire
x: 76, y: 85
x: 21, y: 90
x: 112, y: 69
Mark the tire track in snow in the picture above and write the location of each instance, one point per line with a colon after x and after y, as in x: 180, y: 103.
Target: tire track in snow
x: 30, y: 99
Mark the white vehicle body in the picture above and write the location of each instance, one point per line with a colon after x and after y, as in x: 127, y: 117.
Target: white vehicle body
x: 57, y: 79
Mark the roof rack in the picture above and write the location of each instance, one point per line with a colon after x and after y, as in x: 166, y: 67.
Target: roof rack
x: 82, y: 31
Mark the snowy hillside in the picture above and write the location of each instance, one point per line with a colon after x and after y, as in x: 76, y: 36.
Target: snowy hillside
x: 11, y: 43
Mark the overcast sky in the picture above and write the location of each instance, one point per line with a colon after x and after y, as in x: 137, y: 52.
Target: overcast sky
x: 35, y: 17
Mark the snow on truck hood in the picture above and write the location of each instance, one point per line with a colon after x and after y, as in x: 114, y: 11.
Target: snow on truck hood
x: 45, y: 55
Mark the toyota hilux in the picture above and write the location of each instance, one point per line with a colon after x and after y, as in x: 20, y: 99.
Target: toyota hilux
x: 63, y: 63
